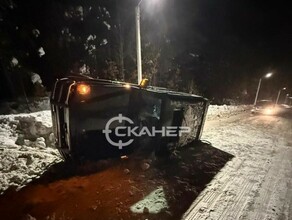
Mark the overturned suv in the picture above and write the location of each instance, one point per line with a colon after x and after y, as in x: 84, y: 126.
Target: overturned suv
x: 95, y: 118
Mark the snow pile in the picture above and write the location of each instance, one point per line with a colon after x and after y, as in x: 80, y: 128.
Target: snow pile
x: 27, y: 148
x: 218, y: 111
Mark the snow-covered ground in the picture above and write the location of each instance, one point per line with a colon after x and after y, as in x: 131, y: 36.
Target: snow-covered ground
x: 223, y: 111
x: 26, y: 148
x: 256, y: 183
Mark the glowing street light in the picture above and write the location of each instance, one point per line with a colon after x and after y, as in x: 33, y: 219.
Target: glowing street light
x: 268, y: 75
x: 279, y: 93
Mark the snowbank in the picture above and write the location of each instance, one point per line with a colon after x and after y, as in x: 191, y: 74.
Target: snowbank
x: 26, y: 146
x: 219, y: 111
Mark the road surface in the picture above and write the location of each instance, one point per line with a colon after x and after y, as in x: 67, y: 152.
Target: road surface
x: 257, y: 183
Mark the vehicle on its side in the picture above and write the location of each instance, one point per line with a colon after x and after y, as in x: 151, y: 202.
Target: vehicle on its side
x: 83, y: 107
x: 265, y: 107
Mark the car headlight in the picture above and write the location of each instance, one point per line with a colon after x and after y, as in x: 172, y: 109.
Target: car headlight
x: 269, y: 111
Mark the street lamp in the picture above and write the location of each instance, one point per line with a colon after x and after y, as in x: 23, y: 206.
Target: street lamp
x: 268, y: 75
x: 138, y: 42
x: 279, y: 93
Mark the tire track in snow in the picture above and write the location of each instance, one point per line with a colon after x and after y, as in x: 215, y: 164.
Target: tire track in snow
x: 275, y: 189
x: 232, y: 193
x: 208, y: 198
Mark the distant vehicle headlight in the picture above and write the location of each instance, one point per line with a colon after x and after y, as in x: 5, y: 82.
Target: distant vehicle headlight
x: 127, y: 86
x: 83, y: 89
x: 269, y: 111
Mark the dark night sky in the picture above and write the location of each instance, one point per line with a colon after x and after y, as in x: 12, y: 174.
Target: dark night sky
x: 263, y: 27
x: 255, y: 36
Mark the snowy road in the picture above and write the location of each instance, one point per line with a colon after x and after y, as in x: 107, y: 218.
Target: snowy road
x: 256, y: 183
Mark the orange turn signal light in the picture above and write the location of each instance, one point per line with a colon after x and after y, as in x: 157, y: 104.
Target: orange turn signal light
x: 83, y: 89
x: 144, y: 83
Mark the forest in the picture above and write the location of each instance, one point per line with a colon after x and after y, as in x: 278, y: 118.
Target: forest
x: 186, y: 46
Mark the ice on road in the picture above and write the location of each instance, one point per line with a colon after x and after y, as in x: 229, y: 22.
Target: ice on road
x: 256, y: 183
